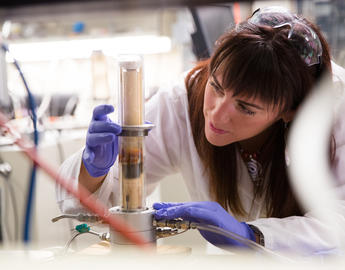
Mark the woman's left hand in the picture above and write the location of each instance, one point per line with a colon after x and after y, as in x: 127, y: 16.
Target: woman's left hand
x: 206, y: 213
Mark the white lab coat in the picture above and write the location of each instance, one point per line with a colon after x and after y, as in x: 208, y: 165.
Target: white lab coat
x: 170, y: 148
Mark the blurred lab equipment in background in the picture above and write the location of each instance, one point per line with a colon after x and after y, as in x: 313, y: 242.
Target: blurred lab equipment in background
x: 67, y: 52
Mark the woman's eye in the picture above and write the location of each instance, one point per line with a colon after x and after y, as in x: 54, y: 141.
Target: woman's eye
x: 216, y: 88
x: 245, y: 110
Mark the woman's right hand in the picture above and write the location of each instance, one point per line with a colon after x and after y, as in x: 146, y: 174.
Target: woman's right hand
x: 101, y: 142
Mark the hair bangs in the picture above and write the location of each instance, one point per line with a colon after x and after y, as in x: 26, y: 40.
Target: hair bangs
x: 254, y: 71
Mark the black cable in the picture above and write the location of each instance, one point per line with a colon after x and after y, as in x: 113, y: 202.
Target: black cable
x: 71, y: 240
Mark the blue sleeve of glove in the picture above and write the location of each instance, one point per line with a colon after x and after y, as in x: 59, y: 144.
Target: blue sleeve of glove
x: 101, y: 142
x: 206, y: 213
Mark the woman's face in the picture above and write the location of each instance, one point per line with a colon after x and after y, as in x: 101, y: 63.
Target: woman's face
x: 230, y: 119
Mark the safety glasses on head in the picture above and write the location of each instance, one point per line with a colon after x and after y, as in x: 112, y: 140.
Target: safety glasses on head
x: 303, y: 37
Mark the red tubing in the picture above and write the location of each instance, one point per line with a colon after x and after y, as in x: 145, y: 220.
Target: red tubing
x: 85, y: 197
x: 237, y: 12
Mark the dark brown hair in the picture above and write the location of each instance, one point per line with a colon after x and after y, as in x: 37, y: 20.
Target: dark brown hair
x: 256, y: 61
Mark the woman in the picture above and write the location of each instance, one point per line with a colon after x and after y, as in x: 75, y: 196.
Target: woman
x: 223, y: 127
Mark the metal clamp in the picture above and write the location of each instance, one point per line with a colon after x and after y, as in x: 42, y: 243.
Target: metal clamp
x: 141, y: 221
x: 166, y: 228
x: 136, y: 130
x: 176, y: 223
x: 162, y: 232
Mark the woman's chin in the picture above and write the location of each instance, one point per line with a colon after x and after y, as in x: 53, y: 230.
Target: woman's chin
x: 217, y: 140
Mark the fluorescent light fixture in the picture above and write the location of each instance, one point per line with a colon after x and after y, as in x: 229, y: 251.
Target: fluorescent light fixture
x: 82, y: 48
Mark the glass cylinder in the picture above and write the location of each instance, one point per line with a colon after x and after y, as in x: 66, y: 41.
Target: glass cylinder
x: 131, y: 148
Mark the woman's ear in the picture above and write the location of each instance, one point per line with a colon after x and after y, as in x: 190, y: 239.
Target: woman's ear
x: 288, y: 116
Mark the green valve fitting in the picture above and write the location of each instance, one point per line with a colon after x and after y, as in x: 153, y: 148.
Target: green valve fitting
x: 82, y: 228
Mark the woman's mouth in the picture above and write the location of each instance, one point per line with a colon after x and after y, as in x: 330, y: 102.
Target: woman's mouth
x: 216, y: 130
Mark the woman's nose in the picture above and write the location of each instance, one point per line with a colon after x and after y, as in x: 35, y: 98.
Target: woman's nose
x: 222, y: 111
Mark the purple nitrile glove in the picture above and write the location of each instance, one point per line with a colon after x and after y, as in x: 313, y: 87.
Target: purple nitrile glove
x: 206, y: 213
x: 101, y: 142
